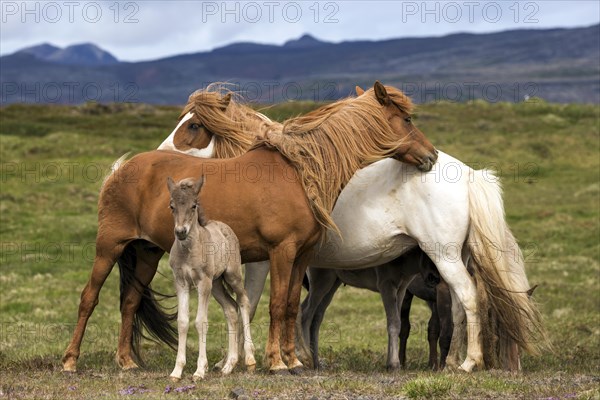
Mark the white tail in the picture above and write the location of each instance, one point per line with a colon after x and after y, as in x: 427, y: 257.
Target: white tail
x: 509, y: 314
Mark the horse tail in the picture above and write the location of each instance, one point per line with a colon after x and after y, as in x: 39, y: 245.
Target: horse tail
x: 149, y: 315
x: 507, y: 310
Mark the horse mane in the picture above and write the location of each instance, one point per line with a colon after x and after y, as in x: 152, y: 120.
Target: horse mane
x: 234, y: 127
x: 328, y: 145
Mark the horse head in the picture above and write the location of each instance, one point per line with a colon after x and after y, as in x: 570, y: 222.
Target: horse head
x: 414, y: 148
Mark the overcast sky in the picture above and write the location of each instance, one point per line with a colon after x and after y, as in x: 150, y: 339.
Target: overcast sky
x: 143, y: 30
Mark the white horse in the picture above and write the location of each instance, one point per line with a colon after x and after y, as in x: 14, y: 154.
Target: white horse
x: 204, y: 251
x: 455, y: 215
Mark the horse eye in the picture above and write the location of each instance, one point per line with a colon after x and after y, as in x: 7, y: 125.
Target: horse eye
x: 194, y: 126
x: 194, y: 206
x: 408, y: 119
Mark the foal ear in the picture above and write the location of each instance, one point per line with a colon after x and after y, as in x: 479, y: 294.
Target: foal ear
x: 198, y: 185
x: 225, y: 101
x: 359, y: 91
x: 170, y: 184
x: 381, y: 94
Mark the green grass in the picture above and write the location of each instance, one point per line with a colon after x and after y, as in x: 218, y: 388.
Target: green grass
x: 53, y: 160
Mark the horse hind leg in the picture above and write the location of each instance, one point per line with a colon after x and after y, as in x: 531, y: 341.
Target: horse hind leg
x: 107, y: 253
x: 464, y: 293
x: 134, y: 283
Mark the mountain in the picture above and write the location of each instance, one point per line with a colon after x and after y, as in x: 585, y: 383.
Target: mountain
x: 85, y: 54
x: 560, y: 65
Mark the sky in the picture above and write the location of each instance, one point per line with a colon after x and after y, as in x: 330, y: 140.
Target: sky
x: 146, y: 30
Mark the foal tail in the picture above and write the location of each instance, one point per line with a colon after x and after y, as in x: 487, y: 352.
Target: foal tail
x: 508, y: 313
x: 149, y: 315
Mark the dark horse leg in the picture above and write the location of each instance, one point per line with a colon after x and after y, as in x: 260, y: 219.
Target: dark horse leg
x: 405, y: 326
x: 444, y: 311
x: 433, y: 334
x: 138, y: 265
x: 107, y: 252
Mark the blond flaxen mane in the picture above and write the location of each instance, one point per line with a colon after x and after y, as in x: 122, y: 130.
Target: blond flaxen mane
x: 328, y: 145
x: 234, y: 125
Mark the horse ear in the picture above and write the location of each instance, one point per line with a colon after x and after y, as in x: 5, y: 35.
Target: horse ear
x: 381, y: 94
x: 198, y: 185
x: 170, y: 184
x: 359, y: 91
x: 225, y: 101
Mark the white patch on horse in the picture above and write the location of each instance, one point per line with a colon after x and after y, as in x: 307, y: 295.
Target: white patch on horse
x: 207, y: 152
x: 168, y: 144
x: 115, y: 166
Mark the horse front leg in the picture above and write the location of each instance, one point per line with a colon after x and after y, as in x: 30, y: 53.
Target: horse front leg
x: 106, y: 256
x: 281, y: 271
x: 293, y: 304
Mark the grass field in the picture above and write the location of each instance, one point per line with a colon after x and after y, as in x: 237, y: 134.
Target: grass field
x: 54, y: 158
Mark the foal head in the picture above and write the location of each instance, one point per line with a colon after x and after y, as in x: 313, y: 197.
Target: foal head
x: 185, y: 205
x: 414, y: 148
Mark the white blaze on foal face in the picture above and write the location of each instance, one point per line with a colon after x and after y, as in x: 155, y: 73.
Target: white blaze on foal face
x: 191, y: 137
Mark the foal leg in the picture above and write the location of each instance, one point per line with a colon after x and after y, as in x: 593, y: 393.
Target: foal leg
x: 183, y: 321
x: 404, y: 326
x: 392, y: 296
x: 433, y: 334
x: 204, y: 289
x: 323, y: 284
x: 233, y: 276
x: 444, y: 311
x: 107, y: 252
x: 230, y: 310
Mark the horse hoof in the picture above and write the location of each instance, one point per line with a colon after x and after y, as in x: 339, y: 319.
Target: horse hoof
x: 299, y: 370
x: 251, y: 368
x: 197, y: 378
x: 130, y: 367
x: 392, y: 368
x: 174, y: 379
x: 279, y: 372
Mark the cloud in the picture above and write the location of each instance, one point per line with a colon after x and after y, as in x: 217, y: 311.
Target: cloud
x: 142, y: 30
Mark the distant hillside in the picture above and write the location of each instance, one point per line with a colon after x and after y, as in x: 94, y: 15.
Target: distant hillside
x: 85, y: 54
x: 561, y: 65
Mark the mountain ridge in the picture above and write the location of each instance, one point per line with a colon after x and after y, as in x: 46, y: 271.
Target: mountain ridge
x: 561, y: 64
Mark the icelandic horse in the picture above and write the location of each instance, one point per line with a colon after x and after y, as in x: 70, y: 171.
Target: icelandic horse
x: 451, y: 195
x: 277, y: 198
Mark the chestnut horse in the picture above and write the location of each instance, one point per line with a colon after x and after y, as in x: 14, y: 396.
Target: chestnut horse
x: 278, y: 210
x: 413, y: 202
